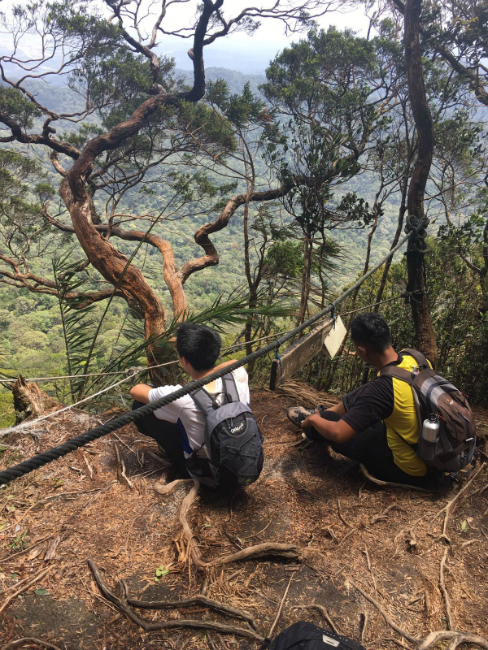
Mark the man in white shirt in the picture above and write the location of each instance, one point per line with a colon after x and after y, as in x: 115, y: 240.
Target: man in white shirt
x: 179, y: 427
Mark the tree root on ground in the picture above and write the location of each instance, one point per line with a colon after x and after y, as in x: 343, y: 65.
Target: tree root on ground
x: 434, y: 638
x: 289, y: 551
x: 442, y: 585
x: 377, y: 481
x: 324, y: 613
x: 20, y: 643
x: 455, y: 638
x: 190, y: 602
x: 391, y: 623
x: 123, y: 607
x: 447, y: 508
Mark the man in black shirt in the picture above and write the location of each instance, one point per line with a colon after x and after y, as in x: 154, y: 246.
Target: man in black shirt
x: 377, y: 423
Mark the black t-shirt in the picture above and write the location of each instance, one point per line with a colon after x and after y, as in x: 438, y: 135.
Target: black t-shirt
x: 370, y: 403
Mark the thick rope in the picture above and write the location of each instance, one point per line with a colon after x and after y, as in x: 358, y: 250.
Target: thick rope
x: 46, y: 457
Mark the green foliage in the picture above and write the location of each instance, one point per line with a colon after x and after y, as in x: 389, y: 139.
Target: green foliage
x: 285, y: 259
x: 7, y: 413
x: 20, y: 109
x: 77, y: 319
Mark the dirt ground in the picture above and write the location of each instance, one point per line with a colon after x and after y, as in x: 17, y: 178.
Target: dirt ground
x: 362, y: 551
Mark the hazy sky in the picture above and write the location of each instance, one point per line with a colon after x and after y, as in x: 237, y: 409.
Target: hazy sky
x: 237, y: 52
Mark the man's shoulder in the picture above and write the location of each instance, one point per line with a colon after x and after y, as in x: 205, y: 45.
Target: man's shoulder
x: 240, y: 374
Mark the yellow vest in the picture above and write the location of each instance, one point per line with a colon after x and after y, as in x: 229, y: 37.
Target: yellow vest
x: 402, y: 426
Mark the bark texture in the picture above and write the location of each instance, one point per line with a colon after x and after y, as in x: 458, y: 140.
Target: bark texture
x: 417, y: 220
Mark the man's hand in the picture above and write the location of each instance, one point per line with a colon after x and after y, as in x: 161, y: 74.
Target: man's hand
x: 338, y: 432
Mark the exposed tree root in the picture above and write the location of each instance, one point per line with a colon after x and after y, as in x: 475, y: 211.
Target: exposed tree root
x: 169, y: 488
x: 456, y: 639
x: 382, y: 516
x: 259, y: 550
x: 391, y: 623
x: 123, y: 607
x: 377, y: 481
x: 442, y: 585
x: 20, y: 643
x: 324, y: 613
x: 447, y: 508
x: 196, y: 600
x: 25, y: 586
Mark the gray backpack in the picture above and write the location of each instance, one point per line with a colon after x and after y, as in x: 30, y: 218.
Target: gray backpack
x: 455, y: 442
x: 233, y: 442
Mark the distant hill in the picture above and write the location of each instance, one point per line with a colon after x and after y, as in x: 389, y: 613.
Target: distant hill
x: 235, y: 80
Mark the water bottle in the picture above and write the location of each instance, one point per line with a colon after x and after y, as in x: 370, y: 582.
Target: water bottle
x: 428, y: 439
x: 430, y: 428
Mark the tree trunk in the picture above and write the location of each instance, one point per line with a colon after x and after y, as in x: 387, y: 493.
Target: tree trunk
x: 30, y: 401
x: 305, y: 290
x: 416, y: 220
x: 112, y: 264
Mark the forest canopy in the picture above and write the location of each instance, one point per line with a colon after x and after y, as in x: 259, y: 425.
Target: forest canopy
x: 133, y: 196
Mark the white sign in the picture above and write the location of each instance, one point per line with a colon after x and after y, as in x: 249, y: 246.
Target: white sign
x: 335, y: 337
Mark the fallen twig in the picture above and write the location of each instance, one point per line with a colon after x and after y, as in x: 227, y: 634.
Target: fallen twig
x: 456, y: 638
x: 364, y: 616
x: 391, y: 623
x: 20, y: 643
x: 275, y: 622
x: 121, y: 473
x: 344, y: 521
x: 324, y: 613
x: 89, y: 467
x: 383, y: 514
x: 25, y: 586
x: 447, y: 508
x: 147, y: 626
x: 368, y: 560
x: 442, y: 585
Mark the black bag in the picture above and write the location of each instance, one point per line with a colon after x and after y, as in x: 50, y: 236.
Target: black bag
x: 455, y: 443
x: 307, y: 636
x: 233, y: 442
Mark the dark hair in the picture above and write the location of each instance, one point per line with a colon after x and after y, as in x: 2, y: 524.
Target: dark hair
x: 371, y: 331
x: 199, y: 344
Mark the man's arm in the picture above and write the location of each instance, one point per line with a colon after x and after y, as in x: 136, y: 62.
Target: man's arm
x: 338, y: 432
x: 338, y: 408
x: 140, y: 392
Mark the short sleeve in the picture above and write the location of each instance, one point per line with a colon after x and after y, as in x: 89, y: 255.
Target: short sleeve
x: 242, y: 383
x: 374, y: 402
x: 170, y: 412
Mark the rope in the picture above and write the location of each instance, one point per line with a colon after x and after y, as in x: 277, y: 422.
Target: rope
x: 231, y: 348
x: 375, y: 304
x: 46, y: 457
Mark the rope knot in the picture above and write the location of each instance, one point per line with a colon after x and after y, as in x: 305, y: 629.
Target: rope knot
x: 417, y: 226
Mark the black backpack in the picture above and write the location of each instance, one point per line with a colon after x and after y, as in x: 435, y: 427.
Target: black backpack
x: 233, y: 442
x: 455, y: 443
x: 307, y: 636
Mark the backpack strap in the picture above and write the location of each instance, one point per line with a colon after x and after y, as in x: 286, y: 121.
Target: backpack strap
x: 399, y: 373
x: 230, y: 387
x: 204, y: 401
x: 207, y: 403
x: 420, y: 358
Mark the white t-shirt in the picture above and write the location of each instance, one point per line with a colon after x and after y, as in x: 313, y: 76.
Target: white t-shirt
x: 185, y: 413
